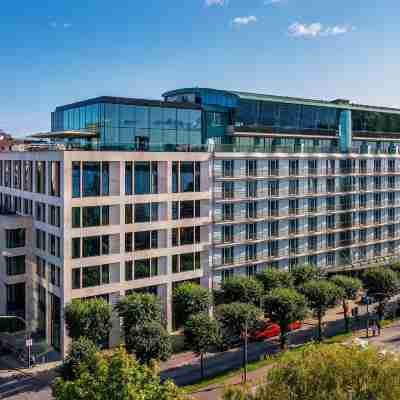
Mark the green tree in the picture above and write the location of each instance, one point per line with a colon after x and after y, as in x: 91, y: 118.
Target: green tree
x: 381, y: 284
x: 329, y: 372
x: 233, y: 319
x: 81, y: 351
x: 395, y: 266
x: 201, y: 334
x: 272, y: 278
x: 89, y: 318
x: 190, y: 298
x: 285, y: 306
x: 321, y: 295
x: 149, y: 341
x: 242, y: 289
x: 304, y: 273
x: 138, y: 308
x: 115, y: 376
x: 351, y: 287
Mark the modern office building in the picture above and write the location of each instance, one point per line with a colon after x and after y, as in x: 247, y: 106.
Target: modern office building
x: 134, y: 194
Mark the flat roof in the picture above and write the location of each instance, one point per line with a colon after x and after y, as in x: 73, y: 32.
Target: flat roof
x: 336, y: 103
x: 129, y: 101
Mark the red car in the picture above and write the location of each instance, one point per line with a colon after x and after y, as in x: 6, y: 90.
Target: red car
x: 270, y: 329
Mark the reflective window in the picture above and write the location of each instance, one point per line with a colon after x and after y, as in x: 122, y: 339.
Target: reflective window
x: 91, y: 179
x: 40, y: 167
x: 146, y: 177
x: 76, y: 179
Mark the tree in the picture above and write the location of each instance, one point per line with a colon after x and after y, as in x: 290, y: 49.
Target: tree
x: 233, y: 319
x: 321, y: 295
x: 190, y: 298
x: 350, y: 287
x: 395, y: 266
x: 381, y: 284
x: 149, y: 341
x: 242, y: 289
x: 90, y: 318
x: 138, y: 308
x: 274, y: 278
x: 285, y: 306
x: 331, y: 372
x: 304, y: 273
x: 201, y: 334
x: 115, y: 376
x: 82, y: 351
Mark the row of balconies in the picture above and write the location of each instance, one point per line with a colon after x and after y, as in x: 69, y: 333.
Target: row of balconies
x: 277, y: 254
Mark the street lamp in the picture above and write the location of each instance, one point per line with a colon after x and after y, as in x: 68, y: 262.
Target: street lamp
x: 28, y: 338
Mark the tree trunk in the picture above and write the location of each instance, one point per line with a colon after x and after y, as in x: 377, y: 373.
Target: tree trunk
x: 319, y: 315
x: 202, y: 365
x: 346, y: 316
x: 283, y: 339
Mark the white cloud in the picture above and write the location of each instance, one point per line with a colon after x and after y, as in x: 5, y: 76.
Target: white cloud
x: 210, y: 3
x: 55, y: 24
x: 272, y: 2
x: 244, y: 20
x: 316, y: 29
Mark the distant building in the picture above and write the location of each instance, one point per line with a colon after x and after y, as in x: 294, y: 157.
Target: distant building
x: 6, y: 141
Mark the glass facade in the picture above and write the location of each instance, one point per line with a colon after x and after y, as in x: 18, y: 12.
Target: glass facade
x: 286, y: 116
x: 370, y: 121
x: 130, y: 123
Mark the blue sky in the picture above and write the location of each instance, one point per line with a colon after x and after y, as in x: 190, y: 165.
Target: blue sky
x: 56, y: 52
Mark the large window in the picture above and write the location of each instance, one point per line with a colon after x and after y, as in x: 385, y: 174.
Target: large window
x: 92, y: 246
x: 186, y: 209
x: 146, y: 212
x: 146, y: 240
x: 54, y: 178
x: 186, y: 262
x: 40, y: 167
x: 370, y: 121
x: 15, y: 238
x: 185, y: 236
x: 76, y: 179
x: 91, y: 276
x: 15, y: 265
x: 146, y: 177
x: 91, y: 179
x: 185, y: 176
x: 145, y: 269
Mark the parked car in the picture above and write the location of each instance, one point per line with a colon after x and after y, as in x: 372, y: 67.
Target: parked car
x: 269, y: 329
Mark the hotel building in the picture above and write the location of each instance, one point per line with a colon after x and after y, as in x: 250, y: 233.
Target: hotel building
x: 141, y: 195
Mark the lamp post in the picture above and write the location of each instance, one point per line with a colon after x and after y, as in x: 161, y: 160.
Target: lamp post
x: 28, y: 339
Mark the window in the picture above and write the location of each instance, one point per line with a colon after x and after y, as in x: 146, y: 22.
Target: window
x: 227, y: 274
x: 54, y: 178
x: 55, y: 275
x: 128, y: 213
x: 186, y: 262
x: 41, y: 267
x: 28, y: 206
x: 145, y: 269
x: 91, y: 276
x: 40, y: 167
x: 227, y: 233
x: 40, y: 240
x: 185, y: 176
x: 54, y: 216
x: 146, y: 240
x: 185, y: 236
x: 128, y: 242
x: 129, y: 270
x: 313, y: 224
x: 28, y: 175
x: 76, y: 248
x: 228, y: 211
x: 91, y: 179
x: 15, y: 238
x: 128, y: 178
x: 146, y: 177
x: 227, y: 255
x: 76, y: 217
x: 40, y: 212
x: 15, y: 265
x: 94, y: 246
x: 55, y: 245
x: 146, y: 212
x: 186, y: 209
x: 76, y: 278
x: 76, y: 179
x: 227, y: 168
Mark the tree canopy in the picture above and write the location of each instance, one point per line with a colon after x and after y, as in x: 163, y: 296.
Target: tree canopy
x: 328, y: 372
x: 90, y: 318
x: 304, y: 273
x: 285, y: 306
x: 242, y: 289
x: 115, y: 376
x: 274, y: 278
x: 381, y: 283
